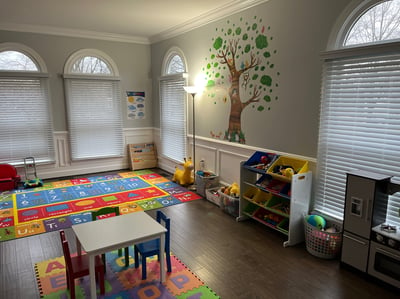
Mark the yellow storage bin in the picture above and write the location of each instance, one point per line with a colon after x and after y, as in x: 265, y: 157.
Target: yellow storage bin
x: 262, y: 197
x: 250, y: 193
x: 277, y: 169
x: 256, y: 195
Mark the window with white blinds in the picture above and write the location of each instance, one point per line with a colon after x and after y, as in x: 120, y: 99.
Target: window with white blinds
x: 173, y: 126
x: 359, y: 126
x: 94, y: 106
x: 173, y: 117
x: 25, y: 116
x: 94, y: 118
x: 25, y: 126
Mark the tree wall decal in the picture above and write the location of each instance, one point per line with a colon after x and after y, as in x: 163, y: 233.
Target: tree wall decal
x: 240, y: 61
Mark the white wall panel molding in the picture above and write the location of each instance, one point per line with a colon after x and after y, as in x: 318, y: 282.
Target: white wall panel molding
x: 221, y: 157
x: 62, y: 148
x: 65, y: 167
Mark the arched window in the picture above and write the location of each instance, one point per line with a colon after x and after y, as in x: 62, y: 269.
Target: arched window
x: 359, y: 124
x: 173, y: 106
x: 378, y: 23
x: 25, y: 116
x: 93, y: 104
x: 175, y: 64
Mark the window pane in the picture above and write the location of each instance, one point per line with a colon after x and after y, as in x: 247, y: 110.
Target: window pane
x: 25, y: 127
x: 175, y: 65
x: 173, y: 109
x: 90, y: 65
x: 173, y: 124
x: 359, y: 127
x: 379, y: 23
x: 16, y: 61
x: 94, y: 118
x: 94, y: 107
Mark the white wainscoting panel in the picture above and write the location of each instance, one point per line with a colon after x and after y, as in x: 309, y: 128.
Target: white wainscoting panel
x: 64, y: 166
x: 221, y: 157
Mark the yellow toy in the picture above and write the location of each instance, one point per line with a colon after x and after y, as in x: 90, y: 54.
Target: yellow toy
x: 232, y: 190
x: 184, y: 176
x: 235, y: 191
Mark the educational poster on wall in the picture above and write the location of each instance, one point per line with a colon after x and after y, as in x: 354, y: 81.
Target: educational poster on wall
x: 135, y: 101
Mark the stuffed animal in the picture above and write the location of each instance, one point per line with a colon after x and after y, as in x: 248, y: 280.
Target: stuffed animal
x: 232, y: 190
x: 184, y: 176
x: 235, y: 191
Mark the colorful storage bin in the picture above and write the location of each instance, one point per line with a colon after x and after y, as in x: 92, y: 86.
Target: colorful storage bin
x: 298, y: 166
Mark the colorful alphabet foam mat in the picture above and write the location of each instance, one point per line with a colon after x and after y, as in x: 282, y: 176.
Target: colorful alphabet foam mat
x: 61, y: 204
x: 124, y: 282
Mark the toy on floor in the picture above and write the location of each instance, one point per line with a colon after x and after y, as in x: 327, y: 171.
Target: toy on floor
x: 184, y: 176
x: 232, y: 190
x: 9, y: 177
x: 30, y: 169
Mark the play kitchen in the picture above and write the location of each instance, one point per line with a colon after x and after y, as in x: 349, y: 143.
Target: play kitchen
x: 369, y: 243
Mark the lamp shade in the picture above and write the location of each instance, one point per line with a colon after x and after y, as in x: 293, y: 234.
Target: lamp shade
x: 190, y: 89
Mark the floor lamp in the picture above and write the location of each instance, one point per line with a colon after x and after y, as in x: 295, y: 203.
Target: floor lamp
x: 193, y: 90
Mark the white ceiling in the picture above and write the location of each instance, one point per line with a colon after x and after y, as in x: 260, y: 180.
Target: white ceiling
x: 142, y: 21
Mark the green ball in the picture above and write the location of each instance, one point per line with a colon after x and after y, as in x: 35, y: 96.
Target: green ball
x: 317, y: 221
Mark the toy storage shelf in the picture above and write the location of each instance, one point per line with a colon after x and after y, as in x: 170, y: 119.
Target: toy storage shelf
x: 277, y: 201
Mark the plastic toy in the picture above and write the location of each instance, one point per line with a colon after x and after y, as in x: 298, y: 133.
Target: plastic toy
x: 317, y: 221
x: 9, y: 177
x: 30, y: 169
x: 232, y: 190
x: 184, y: 176
x: 287, y: 172
x: 235, y: 190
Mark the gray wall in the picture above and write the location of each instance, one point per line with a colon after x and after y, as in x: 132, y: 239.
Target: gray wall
x: 300, y: 31
x: 133, y: 62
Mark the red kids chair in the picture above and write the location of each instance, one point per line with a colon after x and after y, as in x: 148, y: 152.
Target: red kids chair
x: 9, y: 178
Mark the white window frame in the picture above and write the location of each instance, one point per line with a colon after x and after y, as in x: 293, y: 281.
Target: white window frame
x: 335, y: 158
x: 27, y: 130
x: 173, y: 130
x: 93, y: 133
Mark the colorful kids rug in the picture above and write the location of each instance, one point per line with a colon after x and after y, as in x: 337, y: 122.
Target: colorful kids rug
x: 122, y: 282
x: 61, y: 204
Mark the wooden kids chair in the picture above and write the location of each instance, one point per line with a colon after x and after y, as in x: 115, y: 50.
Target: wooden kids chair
x: 78, y: 266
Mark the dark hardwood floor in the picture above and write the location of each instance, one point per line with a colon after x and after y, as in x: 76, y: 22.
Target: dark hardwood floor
x: 235, y: 259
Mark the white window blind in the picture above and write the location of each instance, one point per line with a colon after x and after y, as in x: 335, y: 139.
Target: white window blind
x: 359, y: 126
x: 25, y: 124
x: 94, y: 118
x: 173, y: 117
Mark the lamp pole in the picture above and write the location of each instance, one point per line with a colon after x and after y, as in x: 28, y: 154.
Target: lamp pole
x: 193, y: 90
x: 194, y: 141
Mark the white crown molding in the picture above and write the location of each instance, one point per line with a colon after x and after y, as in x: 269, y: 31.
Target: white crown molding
x: 74, y: 33
x: 203, y: 19
x: 206, y: 18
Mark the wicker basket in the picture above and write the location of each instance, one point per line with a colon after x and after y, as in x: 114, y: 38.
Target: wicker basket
x: 321, y: 243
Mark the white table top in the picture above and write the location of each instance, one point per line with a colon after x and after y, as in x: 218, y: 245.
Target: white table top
x: 117, y: 232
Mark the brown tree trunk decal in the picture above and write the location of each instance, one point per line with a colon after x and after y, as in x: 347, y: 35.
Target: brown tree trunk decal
x: 240, y: 64
x: 234, y: 132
